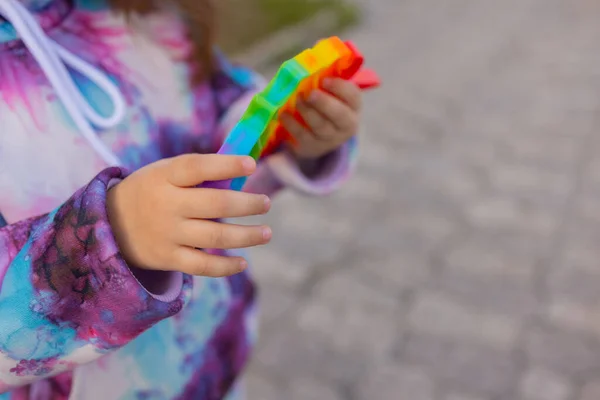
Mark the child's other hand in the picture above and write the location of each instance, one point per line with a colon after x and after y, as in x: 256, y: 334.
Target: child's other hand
x: 332, y: 117
x: 160, y: 219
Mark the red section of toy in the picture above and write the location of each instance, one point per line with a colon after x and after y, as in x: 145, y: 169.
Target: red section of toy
x: 366, y: 79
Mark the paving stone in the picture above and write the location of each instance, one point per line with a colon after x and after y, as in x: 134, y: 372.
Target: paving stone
x: 481, y: 370
x: 568, y: 353
x: 353, y: 317
x: 365, y: 188
x: 393, y: 270
x: 506, y: 214
x: 588, y: 208
x: 461, y: 180
x: 590, y: 391
x: 434, y: 314
x: 275, y: 303
x: 275, y: 268
x: 289, y: 352
x: 515, y: 178
x: 541, y: 384
x: 422, y: 229
x: 575, y: 284
x: 496, y: 256
x: 311, y: 389
x: 560, y: 152
x: 460, y: 396
x: 497, y: 276
x: 378, y: 160
x: 391, y: 382
x: 311, y: 241
x: 580, y: 252
x: 573, y: 316
x: 305, y: 247
x: 260, y: 386
x: 593, y: 171
x: 507, y: 296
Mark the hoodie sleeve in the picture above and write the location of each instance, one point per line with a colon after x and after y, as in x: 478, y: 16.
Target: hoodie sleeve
x: 66, y: 295
x: 280, y: 170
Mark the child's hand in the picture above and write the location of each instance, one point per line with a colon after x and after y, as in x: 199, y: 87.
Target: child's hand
x: 160, y: 219
x: 332, y: 118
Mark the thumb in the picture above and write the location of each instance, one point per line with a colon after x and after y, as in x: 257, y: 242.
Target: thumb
x: 191, y: 170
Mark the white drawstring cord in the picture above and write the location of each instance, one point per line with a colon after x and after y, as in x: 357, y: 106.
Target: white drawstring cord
x: 53, y: 60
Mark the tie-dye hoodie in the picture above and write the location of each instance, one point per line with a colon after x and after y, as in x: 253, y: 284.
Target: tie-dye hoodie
x: 75, y: 320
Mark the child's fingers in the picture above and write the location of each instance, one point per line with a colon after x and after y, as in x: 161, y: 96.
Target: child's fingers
x: 302, y: 135
x: 346, y: 91
x: 217, y: 203
x: 218, y: 235
x: 193, y: 169
x: 196, y: 262
x: 320, y: 125
x: 304, y: 138
x: 339, y: 113
x: 294, y: 127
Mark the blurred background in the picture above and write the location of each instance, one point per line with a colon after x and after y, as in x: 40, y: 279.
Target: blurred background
x: 461, y: 262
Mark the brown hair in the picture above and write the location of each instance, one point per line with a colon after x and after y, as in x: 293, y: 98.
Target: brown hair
x: 201, y: 21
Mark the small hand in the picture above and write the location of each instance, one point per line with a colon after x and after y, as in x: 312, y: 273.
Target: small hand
x: 160, y: 218
x: 331, y: 116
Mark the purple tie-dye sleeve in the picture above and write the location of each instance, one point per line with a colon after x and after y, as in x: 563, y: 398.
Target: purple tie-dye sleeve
x: 66, y: 295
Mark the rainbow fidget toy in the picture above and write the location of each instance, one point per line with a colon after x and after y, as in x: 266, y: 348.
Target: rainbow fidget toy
x: 259, y: 133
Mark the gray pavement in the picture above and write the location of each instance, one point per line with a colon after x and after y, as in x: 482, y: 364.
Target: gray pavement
x: 462, y: 262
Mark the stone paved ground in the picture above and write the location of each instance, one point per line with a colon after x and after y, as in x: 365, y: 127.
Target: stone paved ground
x: 462, y: 262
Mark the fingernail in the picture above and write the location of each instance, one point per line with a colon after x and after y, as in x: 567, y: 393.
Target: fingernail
x: 327, y: 82
x: 248, y: 164
x: 267, y: 233
x: 267, y: 201
x: 243, y: 265
x: 314, y: 95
